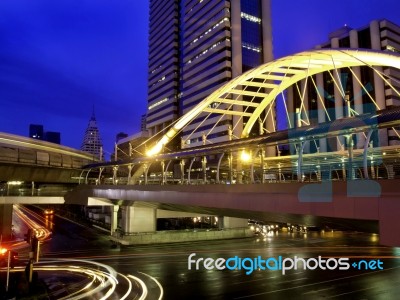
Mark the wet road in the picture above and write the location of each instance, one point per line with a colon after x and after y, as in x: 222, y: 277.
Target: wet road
x: 375, y: 274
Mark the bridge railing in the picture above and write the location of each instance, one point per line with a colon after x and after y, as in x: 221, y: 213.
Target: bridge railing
x: 310, y: 172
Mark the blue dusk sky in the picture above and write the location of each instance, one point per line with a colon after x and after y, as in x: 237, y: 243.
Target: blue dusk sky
x: 60, y: 58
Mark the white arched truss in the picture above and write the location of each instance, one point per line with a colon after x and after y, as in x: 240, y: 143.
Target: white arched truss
x: 267, y: 81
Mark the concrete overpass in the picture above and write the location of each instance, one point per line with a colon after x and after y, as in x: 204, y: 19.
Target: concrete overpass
x: 27, y: 159
x: 34, y: 171
x: 354, y: 204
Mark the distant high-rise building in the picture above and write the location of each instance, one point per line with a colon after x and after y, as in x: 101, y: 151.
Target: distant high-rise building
x: 52, y: 137
x: 36, y: 131
x: 92, y: 141
x: 194, y: 48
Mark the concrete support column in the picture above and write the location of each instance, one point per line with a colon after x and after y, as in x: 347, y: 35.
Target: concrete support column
x: 267, y: 57
x: 266, y: 30
x: 338, y: 94
x: 6, y: 221
x: 365, y: 154
x: 145, y: 172
x: 237, y: 62
x: 358, y: 90
x: 182, y: 165
x: 115, y: 170
x: 252, y: 167
x: 262, y: 156
x: 138, y: 219
x: 163, y: 177
x: 230, y: 163
x: 129, y: 172
x: 239, y: 170
x: 236, y: 29
x: 114, y: 218
x: 292, y: 114
x: 300, y: 149
x: 321, y: 110
x: 350, y: 171
x: 379, y: 85
x: 204, y: 167
x: 230, y: 222
x: 305, y: 116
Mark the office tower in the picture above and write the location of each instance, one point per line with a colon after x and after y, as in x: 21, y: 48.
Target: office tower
x: 92, y: 141
x: 36, y: 131
x: 195, y: 48
x: 163, y: 75
x: 360, y: 84
x: 52, y: 137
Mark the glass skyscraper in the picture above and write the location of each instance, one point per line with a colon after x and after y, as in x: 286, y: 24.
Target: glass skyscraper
x: 196, y: 46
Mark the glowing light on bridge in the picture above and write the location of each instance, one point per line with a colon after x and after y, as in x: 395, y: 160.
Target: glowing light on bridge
x: 245, y: 156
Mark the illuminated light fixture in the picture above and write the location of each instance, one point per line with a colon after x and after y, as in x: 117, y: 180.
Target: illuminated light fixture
x: 245, y: 156
x: 250, y: 18
x: 158, y: 103
x: 14, y: 182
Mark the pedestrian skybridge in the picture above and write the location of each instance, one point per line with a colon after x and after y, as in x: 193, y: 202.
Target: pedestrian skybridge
x: 192, y: 167
x: 248, y: 155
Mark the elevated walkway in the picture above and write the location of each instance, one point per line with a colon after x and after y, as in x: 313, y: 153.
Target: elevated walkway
x: 280, y: 202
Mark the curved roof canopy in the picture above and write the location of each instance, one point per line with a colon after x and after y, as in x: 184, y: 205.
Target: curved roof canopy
x: 270, y: 79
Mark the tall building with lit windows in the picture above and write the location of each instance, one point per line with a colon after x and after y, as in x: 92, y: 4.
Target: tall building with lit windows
x: 360, y: 85
x: 163, y: 73
x: 92, y: 141
x: 197, y: 46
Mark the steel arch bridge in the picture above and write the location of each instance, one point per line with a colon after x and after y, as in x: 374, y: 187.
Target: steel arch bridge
x: 263, y: 84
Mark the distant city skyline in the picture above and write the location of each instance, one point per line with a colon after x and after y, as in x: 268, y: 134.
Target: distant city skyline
x: 58, y: 59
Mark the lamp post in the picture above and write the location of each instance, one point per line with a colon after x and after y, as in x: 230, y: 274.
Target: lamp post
x: 8, y: 269
x: 4, y: 251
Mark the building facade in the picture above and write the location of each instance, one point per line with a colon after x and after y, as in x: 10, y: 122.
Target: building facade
x: 163, y: 74
x: 362, y: 89
x: 53, y: 137
x: 37, y: 131
x: 195, y: 48
x: 92, y: 141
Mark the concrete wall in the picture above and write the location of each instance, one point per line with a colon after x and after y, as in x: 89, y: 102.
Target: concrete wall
x: 161, y: 237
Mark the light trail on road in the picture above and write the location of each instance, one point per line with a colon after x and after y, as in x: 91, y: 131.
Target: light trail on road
x: 104, y: 282
x: 41, y: 232
x: 100, y: 280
